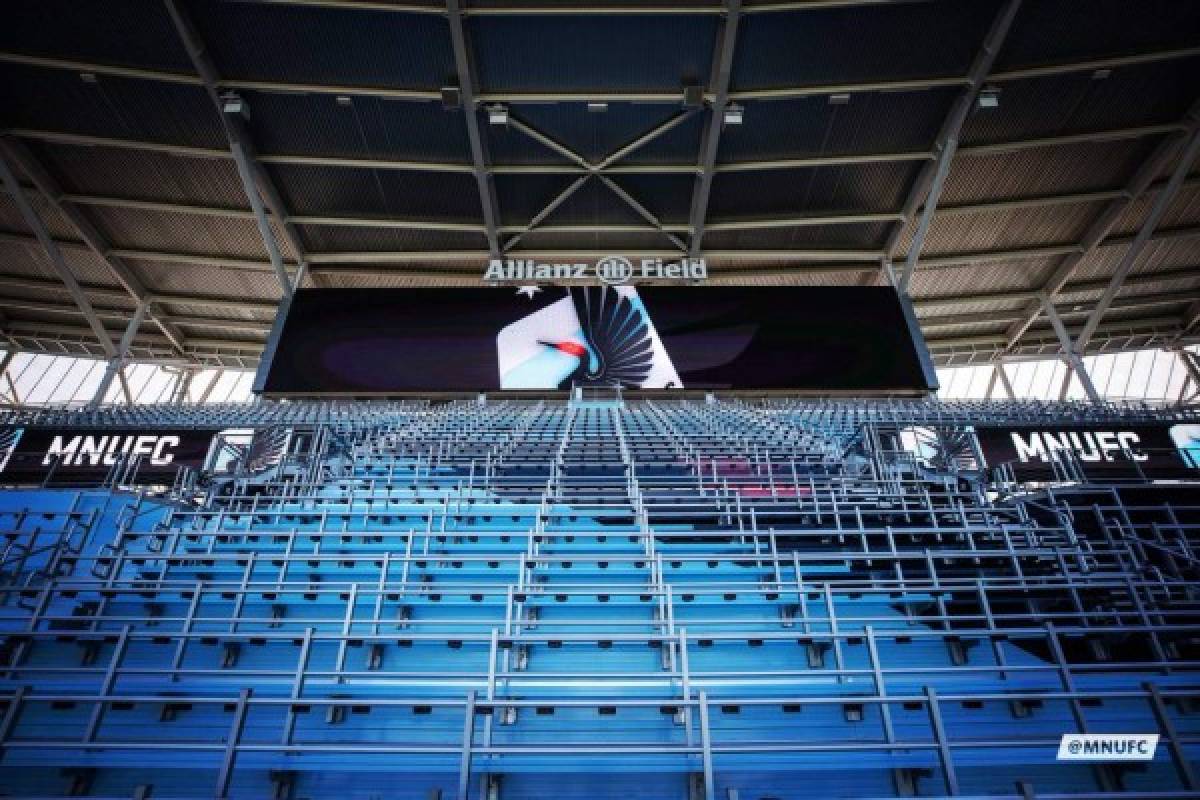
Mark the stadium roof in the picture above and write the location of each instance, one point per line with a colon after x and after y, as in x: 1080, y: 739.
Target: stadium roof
x: 1050, y: 141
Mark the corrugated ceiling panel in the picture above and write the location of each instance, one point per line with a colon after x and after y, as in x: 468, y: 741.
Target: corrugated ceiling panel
x: 60, y: 100
x: 140, y: 175
x: 667, y: 197
x: 1003, y: 230
x: 326, y: 45
x: 188, y: 233
x: 28, y: 258
x: 173, y: 278
x: 595, y: 135
x: 131, y: 32
x: 818, y: 190
x: 594, y: 204
x: 865, y: 236
x: 929, y: 307
x: 396, y: 279
x: 904, y: 40
x: 452, y: 197
x: 629, y: 243
x: 366, y: 127
x: 870, y: 123
x: 1045, y: 170
x: 797, y: 278
x: 1141, y: 94
x: 341, y: 238
x: 581, y: 53
x: 1184, y: 211
x: 1158, y: 255
x: 980, y: 277
x: 202, y: 310
x: 1056, y: 30
x: 11, y: 219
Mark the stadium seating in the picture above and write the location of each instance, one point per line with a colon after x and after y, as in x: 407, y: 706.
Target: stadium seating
x: 643, y: 599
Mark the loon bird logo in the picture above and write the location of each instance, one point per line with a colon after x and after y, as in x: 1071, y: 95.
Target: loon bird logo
x: 595, y: 336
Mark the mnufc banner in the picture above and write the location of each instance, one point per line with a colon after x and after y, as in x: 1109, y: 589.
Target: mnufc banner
x: 1112, y: 451
x: 69, y: 455
x: 352, y: 341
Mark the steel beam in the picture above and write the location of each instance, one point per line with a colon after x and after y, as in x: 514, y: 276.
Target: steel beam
x: 1157, y: 300
x: 1008, y: 204
x: 1161, y: 202
x: 663, y: 97
x: 846, y: 260
x: 1102, y: 225
x: 933, y: 175
x: 235, y: 132
x: 1072, y: 357
x: 479, y: 159
x: 806, y: 162
x: 117, y: 362
x: 719, y: 86
x: 642, y: 211
x: 1002, y: 374
x: 547, y: 210
x: 122, y: 315
x: 599, y: 170
x: 54, y: 254
x: 217, y: 373
x: 96, y: 241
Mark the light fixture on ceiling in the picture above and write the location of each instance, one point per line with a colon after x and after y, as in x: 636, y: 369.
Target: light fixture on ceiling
x: 988, y: 98
x: 497, y: 114
x: 597, y: 108
x: 234, y: 104
x: 88, y: 77
x: 1101, y: 74
x: 839, y: 99
x: 733, y: 114
x: 344, y: 101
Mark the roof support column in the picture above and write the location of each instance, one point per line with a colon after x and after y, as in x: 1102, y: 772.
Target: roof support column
x: 245, y: 172
x: 55, y: 255
x: 9, y: 355
x: 1002, y: 374
x: 947, y: 140
x: 183, y: 385
x: 89, y: 233
x: 479, y: 160
x: 722, y: 70
x: 235, y: 133
x: 217, y: 373
x: 1103, y: 224
x: 1161, y: 202
x: 117, y: 362
x: 1190, y: 363
x: 1071, y: 357
x: 124, y: 386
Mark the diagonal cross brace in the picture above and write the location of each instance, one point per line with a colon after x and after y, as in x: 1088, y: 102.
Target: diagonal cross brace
x: 598, y: 170
x: 722, y: 71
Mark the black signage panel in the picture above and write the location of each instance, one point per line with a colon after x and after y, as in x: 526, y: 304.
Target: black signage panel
x: 358, y: 341
x: 1112, y: 451
x: 87, y: 455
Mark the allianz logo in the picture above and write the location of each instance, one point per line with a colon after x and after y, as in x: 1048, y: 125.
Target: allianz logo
x: 613, y: 270
x: 95, y: 451
x: 1089, y: 446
